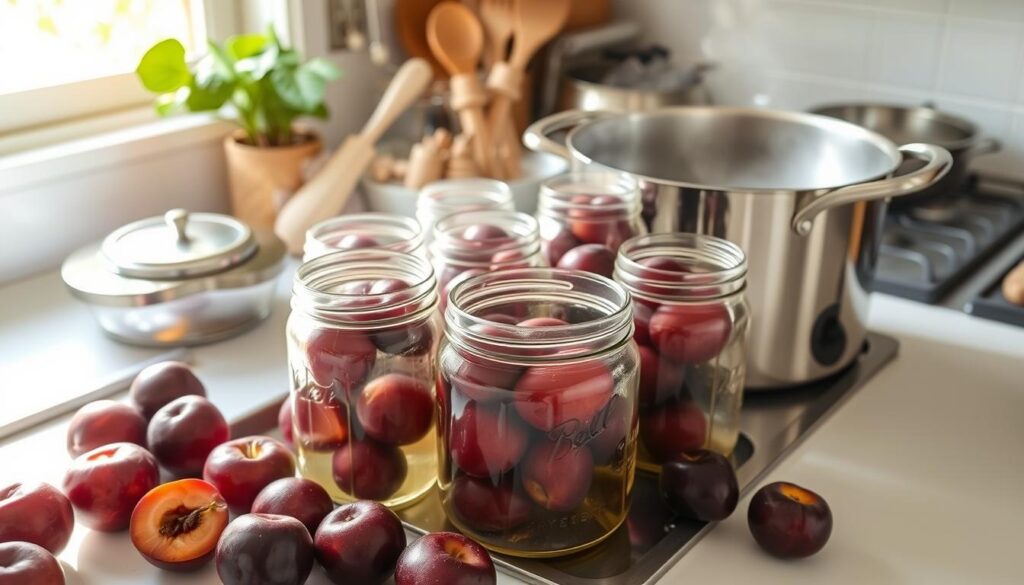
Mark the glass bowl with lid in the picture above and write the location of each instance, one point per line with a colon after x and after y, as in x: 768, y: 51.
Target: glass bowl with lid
x: 178, y: 279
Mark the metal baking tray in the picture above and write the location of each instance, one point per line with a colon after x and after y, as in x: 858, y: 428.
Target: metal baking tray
x: 651, y: 540
x: 991, y: 304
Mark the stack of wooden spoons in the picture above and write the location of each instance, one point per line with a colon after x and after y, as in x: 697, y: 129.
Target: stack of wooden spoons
x: 465, y: 42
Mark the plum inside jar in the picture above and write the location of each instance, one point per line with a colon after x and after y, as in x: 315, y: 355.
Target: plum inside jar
x: 538, y: 414
x: 470, y: 243
x: 362, y: 340
x: 690, y: 321
x: 585, y: 217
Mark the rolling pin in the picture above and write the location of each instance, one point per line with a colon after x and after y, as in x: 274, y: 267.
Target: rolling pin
x: 326, y: 194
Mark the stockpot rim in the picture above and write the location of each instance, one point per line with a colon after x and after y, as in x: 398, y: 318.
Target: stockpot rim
x: 886, y: 146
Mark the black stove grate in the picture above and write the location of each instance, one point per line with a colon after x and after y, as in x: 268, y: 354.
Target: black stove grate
x: 926, y: 251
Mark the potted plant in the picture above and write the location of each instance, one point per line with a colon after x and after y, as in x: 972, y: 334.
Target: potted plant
x: 262, y: 86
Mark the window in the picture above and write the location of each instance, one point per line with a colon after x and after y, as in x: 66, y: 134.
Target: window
x: 67, y: 59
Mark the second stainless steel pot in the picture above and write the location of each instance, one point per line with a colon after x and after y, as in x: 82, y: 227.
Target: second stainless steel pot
x: 803, y: 195
x: 903, y: 124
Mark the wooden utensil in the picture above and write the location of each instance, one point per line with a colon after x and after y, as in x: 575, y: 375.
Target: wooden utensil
x: 535, y: 23
x: 457, y: 39
x: 411, y: 28
x: 588, y: 14
x: 325, y: 195
x: 496, y: 16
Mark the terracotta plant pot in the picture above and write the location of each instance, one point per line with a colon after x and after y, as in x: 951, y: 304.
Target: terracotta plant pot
x: 263, y: 178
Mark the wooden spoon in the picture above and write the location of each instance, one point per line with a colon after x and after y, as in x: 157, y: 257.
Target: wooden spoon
x: 411, y: 29
x: 457, y: 40
x: 535, y: 23
x: 326, y: 194
x: 497, y: 16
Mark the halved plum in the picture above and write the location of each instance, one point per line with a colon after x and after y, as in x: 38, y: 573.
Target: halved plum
x: 176, y: 526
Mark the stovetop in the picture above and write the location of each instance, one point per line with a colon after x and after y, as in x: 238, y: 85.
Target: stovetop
x: 651, y: 539
x: 954, y: 253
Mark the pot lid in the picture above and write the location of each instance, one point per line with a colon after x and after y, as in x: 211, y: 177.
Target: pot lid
x: 178, y: 245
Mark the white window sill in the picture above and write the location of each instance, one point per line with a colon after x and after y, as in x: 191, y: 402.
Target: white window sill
x: 138, y: 135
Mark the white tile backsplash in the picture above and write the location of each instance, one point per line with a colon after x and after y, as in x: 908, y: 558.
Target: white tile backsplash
x: 1000, y: 10
x: 917, y: 6
x: 904, y: 50
x: 982, y: 59
x: 966, y: 56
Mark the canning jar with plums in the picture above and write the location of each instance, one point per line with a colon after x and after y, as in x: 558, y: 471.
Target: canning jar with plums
x: 537, y: 410
x: 476, y: 242
x: 691, y: 317
x: 443, y: 198
x: 585, y: 216
x: 362, y: 340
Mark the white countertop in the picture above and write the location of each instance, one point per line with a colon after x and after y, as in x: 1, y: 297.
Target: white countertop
x: 923, y: 467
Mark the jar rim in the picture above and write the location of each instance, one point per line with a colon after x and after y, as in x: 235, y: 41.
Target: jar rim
x: 570, y: 342
x: 558, y: 196
x: 524, y: 238
x: 723, y: 267
x: 411, y: 240
x: 438, y: 195
x: 316, y: 283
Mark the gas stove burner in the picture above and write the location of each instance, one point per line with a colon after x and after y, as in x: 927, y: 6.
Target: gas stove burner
x: 928, y: 249
x: 937, y: 212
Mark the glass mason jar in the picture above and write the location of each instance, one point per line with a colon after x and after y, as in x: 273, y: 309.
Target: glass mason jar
x: 362, y: 342
x: 537, y: 420
x: 584, y: 218
x: 474, y: 242
x: 691, y: 317
x: 443, y: 198
x: 364, y: 230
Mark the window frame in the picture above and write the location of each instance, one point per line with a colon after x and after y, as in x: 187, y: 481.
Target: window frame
x: 35, y: 109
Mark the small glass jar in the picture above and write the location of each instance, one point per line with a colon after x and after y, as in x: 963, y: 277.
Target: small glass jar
x: 364, y: 230
x: 691, y: 317
x: 474, y: 242
x: 443, y: 198
x: 362, y: 341
x: 537, y: 410
x: 584, y: 218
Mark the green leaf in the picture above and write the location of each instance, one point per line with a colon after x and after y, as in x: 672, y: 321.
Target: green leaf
x: 288, y: 57
x: 273, y: 39
x: 242, y: 46
x: 300, y: 88
x: 323, y: 68
x: 210, y: 94
x: 259, y: 65
x: 163, y: 68
x: 320, y: 111
x: 221, y: 60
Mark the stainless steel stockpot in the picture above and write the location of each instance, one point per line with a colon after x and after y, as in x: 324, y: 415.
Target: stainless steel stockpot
x: 803, y: 195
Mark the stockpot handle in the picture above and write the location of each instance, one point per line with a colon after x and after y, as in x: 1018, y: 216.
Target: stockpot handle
x: 537, y: 136
x: 938, y: 161
x: 986, y: 145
